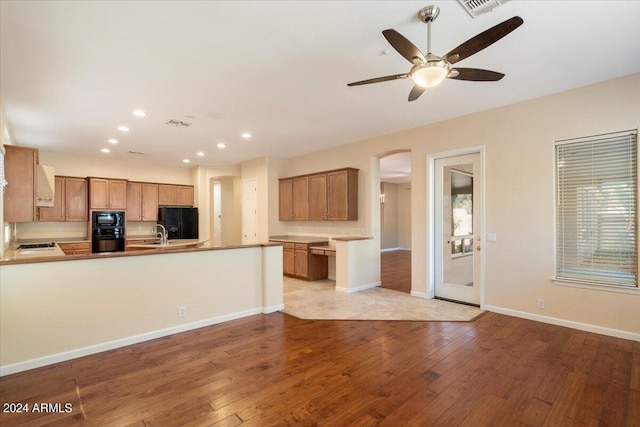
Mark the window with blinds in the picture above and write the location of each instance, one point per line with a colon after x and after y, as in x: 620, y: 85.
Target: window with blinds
x: 596, y: 194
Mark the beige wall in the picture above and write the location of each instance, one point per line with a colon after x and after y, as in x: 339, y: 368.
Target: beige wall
x: 389, y: 220
x: 519, y: 171
x: 404, y: 216
x: 103, y: 166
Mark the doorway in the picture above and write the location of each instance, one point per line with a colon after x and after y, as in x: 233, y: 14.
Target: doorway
x: 457, y: 229
x: 395, y: 221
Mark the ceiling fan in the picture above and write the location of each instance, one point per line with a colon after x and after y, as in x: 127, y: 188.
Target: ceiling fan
x: 430, y: 70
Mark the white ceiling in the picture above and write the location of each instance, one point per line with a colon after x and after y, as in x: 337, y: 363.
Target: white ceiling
x: 71, y: 72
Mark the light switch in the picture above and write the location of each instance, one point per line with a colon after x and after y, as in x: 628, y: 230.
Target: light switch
x: 492, y: 237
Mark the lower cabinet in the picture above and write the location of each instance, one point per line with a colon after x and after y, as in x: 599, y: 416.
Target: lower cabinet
x: 299, y: 262
x: 80, y: 248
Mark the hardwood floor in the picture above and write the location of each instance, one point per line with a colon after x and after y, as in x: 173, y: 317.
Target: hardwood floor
x: 395, y: 270
x: 279, y: 370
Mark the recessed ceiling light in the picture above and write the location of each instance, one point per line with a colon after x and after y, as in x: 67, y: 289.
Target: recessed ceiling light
x: 139, y: 113
x: 123, y: 129
x: 105, y: 150
x: 221, y: 145
x: 199, y: 154
x: 246, y: 135
x: 186, y: 161
x: 112, y: 141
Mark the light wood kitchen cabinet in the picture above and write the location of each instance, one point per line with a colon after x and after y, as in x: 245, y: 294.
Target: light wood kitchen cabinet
x: 142, y: 201
x: 342, y: 195
x: 323, y: 196
x: 299, y: 262
x: 76, y: 196
x: 301, y: 198
x: 318, y: 199
x: 285, y: 191
x: 175, y: 195
x: 77, y: 248
x: 20, y: 174
x: 70, y: 202
x: 108, y: 194
x: 294, y: 199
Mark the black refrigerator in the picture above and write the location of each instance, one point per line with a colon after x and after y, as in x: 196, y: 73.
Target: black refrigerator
x: 181, y: 223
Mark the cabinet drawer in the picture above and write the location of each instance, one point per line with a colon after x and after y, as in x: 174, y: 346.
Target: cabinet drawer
x: 78, y: 252
x: 68, y: 247
x: 288, y: 245
x: 301, y: 246
x: 317, y: 252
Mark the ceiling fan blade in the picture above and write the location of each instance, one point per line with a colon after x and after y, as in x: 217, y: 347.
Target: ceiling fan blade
x: 416, y: 92
x: 379, y: 79
x: 475, y: 75
x: 482, y: 40
x: 404, y: 47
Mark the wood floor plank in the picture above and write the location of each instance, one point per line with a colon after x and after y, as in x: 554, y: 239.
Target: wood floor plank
x: 274, y: 369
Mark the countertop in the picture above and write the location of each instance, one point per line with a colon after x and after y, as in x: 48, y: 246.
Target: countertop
x: 299, y: 239
x: 324, y: 248
x: 6, y: 260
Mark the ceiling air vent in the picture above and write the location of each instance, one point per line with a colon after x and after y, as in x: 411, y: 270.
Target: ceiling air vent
x: 478, y: 7
x: 178, y: 123
x: 139, y: 153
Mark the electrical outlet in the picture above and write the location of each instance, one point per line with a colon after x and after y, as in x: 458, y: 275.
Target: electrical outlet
x: 540, y: 303
x: 364, y: 231
x: 492, y: 237
x: 182, y: 311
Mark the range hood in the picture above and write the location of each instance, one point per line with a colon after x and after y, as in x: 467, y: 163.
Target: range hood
x: 45, y: 186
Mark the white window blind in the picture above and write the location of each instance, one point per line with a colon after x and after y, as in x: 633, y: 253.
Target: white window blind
x: 596, y: 194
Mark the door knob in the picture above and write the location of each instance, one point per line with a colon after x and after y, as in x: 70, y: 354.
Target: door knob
x: 478, y: 247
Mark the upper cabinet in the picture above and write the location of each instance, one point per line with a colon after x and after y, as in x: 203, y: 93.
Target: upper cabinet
x: 323, y: 196
x: 70, y: 203
x: 294, y: 199
x: 342, y: 195
x: 108, y: 194
x: 142, y: 201
x: 20, y: 174
x: 175, y: 195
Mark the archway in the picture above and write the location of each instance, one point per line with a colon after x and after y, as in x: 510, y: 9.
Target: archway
x: 395, y: 220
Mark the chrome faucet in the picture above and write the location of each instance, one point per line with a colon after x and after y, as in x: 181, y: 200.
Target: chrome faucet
x: 164, y: 238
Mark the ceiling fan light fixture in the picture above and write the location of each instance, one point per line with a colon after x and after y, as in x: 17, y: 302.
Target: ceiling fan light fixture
x: 431, y: 74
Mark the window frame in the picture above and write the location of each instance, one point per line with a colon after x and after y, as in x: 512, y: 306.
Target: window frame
x: 594, y: 284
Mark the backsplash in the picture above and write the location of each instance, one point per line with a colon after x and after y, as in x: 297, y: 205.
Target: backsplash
x: 51, y: 230
x: 65, y: 230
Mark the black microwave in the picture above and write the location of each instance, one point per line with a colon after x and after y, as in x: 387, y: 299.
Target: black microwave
x: 107, y: 219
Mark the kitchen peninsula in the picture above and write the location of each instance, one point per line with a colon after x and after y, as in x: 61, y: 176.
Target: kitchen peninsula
x: 59, y: 308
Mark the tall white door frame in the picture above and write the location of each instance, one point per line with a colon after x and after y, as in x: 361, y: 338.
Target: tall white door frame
x: 431, y: 228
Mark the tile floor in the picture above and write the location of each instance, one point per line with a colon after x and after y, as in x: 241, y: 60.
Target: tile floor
x: 320, y: 300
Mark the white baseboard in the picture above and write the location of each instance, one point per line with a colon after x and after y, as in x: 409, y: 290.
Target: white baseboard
x: 389, y: 249
x: 358, y: 288
x: 272, y: 309
x: 566, y: 323
x: 419, y: 294
x: 122, y: 342
x: 331, y: 278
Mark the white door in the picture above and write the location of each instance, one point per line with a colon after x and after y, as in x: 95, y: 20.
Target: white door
x: 457, y: 218
x: 217, y: 213
x: 249, y: 212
